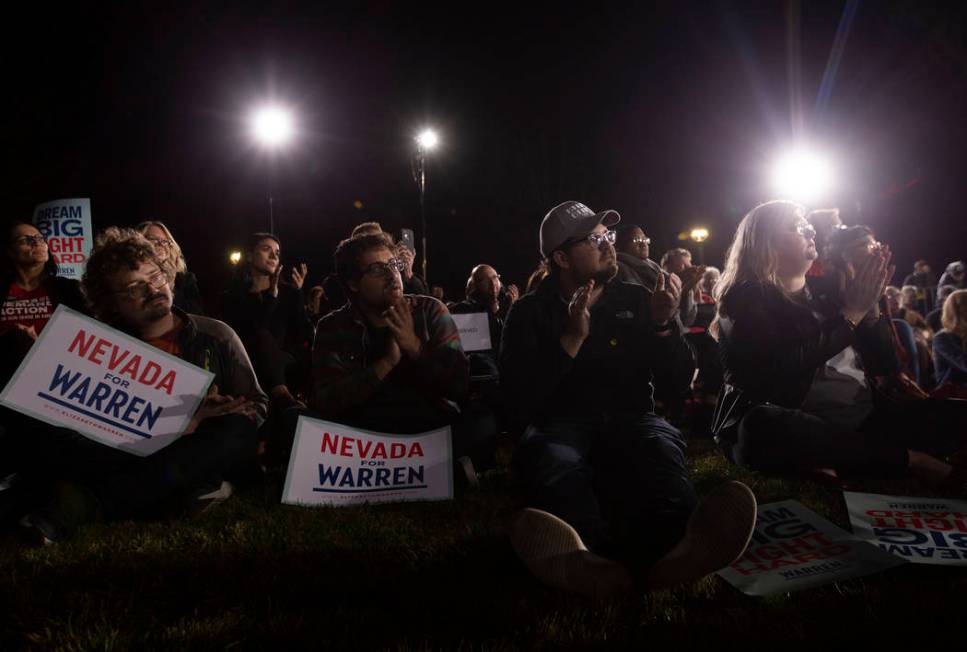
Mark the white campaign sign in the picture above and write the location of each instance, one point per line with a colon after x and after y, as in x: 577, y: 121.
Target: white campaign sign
x: 66, y: 223
x: 84, y: 375
x: 793, y: 548
x: 920, y: 530
x: 474, y: 330
x: 333, y: 464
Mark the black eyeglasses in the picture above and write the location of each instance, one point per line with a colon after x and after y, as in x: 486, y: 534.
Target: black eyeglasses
x: 160, y: 242
x: 381, y: 269
x: 639, y: 241
x: 31, y: 240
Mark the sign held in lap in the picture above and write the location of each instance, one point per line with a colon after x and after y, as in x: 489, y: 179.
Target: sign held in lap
x: 333, y: 464
x: 110, y: 387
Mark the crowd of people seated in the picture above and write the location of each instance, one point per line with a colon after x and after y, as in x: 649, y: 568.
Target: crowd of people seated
x: 804, y: 357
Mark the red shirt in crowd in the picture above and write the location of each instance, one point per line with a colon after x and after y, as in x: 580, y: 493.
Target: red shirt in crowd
x: 26, y: 307
x: 168, y: 342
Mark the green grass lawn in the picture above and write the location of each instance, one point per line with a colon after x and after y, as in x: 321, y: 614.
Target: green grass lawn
x: 258, y: 574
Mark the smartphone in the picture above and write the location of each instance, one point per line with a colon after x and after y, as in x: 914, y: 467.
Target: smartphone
x: 406, y: 238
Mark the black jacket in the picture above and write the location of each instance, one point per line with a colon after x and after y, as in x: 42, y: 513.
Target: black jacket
x: 284, y: 316
x: 613, y: 370
x: 772, y: 346
x: 214, y: 346
x: 187, y: 295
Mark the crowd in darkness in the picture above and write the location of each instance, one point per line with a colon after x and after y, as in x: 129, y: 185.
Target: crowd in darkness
x: 798, y: 357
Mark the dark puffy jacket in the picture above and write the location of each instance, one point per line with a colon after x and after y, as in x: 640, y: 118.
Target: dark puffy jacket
x: 772, y: 346
x: 613, y: 370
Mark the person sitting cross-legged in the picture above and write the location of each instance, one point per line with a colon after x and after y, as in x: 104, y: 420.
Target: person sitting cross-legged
x: 129, y: 288
x: 610, y: 502
x: 387, y: 361
x: 801, y: 362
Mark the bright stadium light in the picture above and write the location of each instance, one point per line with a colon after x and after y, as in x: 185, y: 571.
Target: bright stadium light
x: 235, y: 257
x: 802, y: 175
x: 427, y: 139
x: 272, y: 126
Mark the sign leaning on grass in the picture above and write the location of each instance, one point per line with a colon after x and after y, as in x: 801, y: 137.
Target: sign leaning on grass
x: 333, y: 464
x: 110, y: 387
x: 794, y: 548
x: 474, y: 329
x: 920, y: 530
x: 66, y: 223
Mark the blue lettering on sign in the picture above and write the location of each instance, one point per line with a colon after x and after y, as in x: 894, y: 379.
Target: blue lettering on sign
x: 899, y: 536
x: 59, y: 213
x: 366, y: 480
x: 56, y: 228
x: 73, y: 391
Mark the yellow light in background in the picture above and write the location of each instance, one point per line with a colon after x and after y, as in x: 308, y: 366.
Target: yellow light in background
x: 358, y: 205
x: 699, y: 234
x: 235, y: 257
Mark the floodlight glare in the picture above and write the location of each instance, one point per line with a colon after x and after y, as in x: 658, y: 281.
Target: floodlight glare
x: 427, y: 139
x: 272, y: 126
x: 699, y: 234
x: 802, y: 175
x: 235, y: 257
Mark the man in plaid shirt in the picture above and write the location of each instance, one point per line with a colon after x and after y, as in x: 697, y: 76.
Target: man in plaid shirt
x: 386, y: 361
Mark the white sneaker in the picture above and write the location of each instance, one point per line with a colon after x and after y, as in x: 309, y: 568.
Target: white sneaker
x: 210, y: 497
x: 716, y: 535
x: 553, y: 551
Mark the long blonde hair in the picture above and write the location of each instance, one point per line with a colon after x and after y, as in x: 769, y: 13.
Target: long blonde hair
x: 954, y: 315
x: 752, y: 255
x: 177, y: 259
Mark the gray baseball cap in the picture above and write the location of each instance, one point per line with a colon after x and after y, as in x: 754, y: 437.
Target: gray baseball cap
x: 568, y: 220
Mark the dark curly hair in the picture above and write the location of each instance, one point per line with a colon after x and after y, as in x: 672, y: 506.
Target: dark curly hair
x: 350, y: 250
x: 114, y: 250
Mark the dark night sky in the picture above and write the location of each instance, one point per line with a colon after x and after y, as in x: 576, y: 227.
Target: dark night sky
x: 669, y: 113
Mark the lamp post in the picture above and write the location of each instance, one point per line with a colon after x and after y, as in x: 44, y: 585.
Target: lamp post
x: 426, y: 141
x: 699, y: 235
x: 272, y: 128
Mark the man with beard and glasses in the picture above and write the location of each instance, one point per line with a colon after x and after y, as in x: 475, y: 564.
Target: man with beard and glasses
x: 387, y: 361
x: 610, y: 504
x: 129, y: 288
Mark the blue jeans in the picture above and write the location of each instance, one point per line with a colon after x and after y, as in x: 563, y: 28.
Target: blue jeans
x: 618, y: 479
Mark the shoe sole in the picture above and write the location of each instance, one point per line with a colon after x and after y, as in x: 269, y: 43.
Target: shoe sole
x: 553, y: 552
x: 717, y: 534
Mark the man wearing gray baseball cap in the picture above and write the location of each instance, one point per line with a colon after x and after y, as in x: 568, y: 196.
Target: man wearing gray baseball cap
x: 610, y: 506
